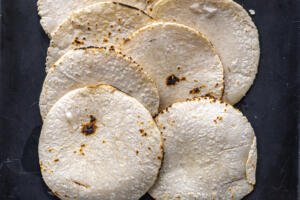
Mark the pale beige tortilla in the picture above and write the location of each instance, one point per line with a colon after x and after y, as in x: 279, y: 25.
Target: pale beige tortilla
x: 230, y: 29
x: 81, y: 67
x: 99, y: 143
x: 180, y: 60
x: 209, y: 152
x: 54, y: 12
x: 102, y: 24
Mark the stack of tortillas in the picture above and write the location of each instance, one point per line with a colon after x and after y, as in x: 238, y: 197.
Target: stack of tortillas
x: 139, y: 98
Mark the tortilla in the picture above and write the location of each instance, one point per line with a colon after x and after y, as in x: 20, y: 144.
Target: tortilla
x: 81, y: 67
x: 54, y: 12
x: 209, y: 152
x: 180, y: 60
x: 230, y: 29
x: 99, y: 143
x: 102, y: 24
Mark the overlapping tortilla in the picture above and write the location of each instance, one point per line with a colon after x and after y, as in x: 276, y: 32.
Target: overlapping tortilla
x: 229, y: 28
x: 210, y: 152
x: 87, y: 66
x: 102, y: 24
x: 99, y: 143
x: 54, y: 12
x: 180, y: 60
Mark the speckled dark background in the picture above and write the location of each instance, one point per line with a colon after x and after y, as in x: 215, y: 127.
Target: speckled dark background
x: 272, y: 105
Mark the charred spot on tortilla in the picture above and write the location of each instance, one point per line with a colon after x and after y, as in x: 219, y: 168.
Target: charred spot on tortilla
x: 80, y: 184
x: 81, y: 149
x: 90, y: 127
x: 77, y: 41
x: 173, y: 80
x: 112, y: 48
x: 126, y: 40
x: 143, y: 133
x: 105, y: 40
x: 196, y: 90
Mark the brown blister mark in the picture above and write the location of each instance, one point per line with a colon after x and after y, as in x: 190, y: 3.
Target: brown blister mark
x: 218, y: 119
x: 89, y: 28
x: 149, y: 2
x: 178, y: 68
x: 109, y: 34
x: 89, y: 128
x: 50, y: 150
x: 80, y: 184
x: 56, y: 193
x: 81, y: 150
x: 143, y: 133
x: 159, y: 157
x: 93, y: 87
x: 112, y: 48
x: 103, y: 141
x: 43, y: 168
x: 161, y: 147
x: 231, y: 193
x: 210, y: 97
x: 56, y: 160
x: 217, y: 85
x: 195, y: 90
x: 105, y: 40
x: 149, y: 148
x: 125, y: 40
x: 77, y: 41
x: 137, y: 152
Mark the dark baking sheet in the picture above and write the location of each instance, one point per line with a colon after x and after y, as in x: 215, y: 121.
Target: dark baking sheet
x: 272, y: 105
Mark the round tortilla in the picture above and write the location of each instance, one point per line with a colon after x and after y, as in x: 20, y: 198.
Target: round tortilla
x: 102, y: 24
x: 88, y: 66
x: 230, y: 29
x: 54, y: 12
x: 180, y: 60
x: 99, y: 143
x: 209, y: 152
